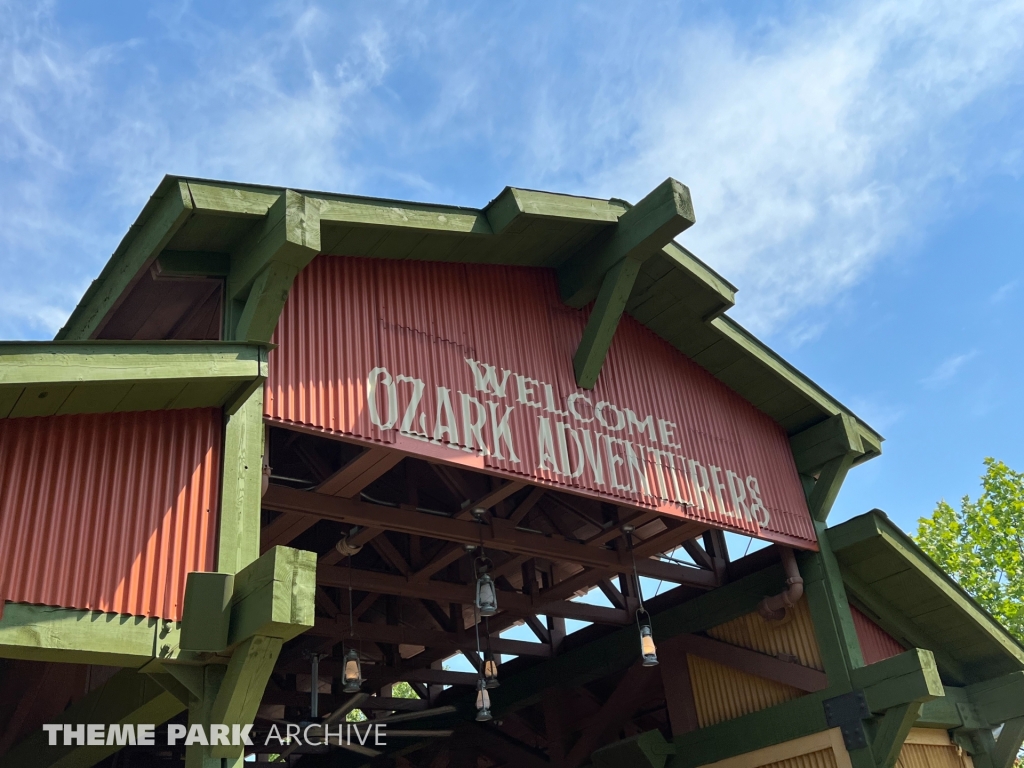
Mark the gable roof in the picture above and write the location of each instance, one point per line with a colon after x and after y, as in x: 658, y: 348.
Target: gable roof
x: 914, y: 600
x: 676, y: 295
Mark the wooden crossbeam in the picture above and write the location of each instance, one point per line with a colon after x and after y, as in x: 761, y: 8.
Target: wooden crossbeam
x: 400, y: 635
x: 751, y: 662
x: 360, y: 472
x: 442, y: 591
x: 617, y: 708
x: 500, y: 534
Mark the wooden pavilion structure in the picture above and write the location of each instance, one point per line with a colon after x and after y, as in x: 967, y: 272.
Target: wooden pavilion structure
x: 283, y: 428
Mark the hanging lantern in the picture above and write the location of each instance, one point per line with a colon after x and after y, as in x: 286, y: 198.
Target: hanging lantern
x: 486, y: 595
x: 483, y: 702
x: 490, y: 669
x: 353, y: 677
x: 647, y: 648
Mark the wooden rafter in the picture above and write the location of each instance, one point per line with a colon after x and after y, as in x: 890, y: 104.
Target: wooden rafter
x: 499, y: 535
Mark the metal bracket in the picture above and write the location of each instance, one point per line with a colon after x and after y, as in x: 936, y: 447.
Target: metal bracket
x: 848, y: 713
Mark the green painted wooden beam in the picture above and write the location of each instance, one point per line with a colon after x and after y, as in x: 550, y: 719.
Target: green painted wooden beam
x: 906, y: 679
x: 289, y: 235
x: 127, y: 697
x: 514, y: 208
x: 1004, y: 754
x: 893, y: 729
x: 831, y: 439
x: 615, y: 652
x: 60, y: 378
x: 912, y: 676
x: 774, y: 725
x: 156, y: 226
x: 193, y: 264
x: 830, y: 613
x: 241, y: 690
x: 41, y: 633
x: 640, y: 232
x: 274, y: 596
x: 238, y: 541
x: 271, y: 597
x: 999, y: 699
x: 604, y: 319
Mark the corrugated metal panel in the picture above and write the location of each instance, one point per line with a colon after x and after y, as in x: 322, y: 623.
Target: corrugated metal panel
x: 822, y: 758
x: 793, y: 636
x: 108, y: 512
x: 723, y: 693
x: 875, y: 643
x: 414, y: 325
x: 933, y: 756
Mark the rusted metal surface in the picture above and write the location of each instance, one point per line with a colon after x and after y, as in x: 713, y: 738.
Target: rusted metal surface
x: 875, y: 643
x: 108, y: 512
x: 472, y: 364
x: 723, y: 693
x: 792, y: 636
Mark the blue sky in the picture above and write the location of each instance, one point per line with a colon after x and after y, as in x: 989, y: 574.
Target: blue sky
x: 856, y: 167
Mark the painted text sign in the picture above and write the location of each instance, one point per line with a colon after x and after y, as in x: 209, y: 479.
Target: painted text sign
x: 473, y: 364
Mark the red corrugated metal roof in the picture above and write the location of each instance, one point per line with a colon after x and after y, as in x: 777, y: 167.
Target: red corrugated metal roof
x: 422, y: 334
x: 108, y: 512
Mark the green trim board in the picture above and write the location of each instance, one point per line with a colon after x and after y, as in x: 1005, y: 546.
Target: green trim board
x: 60, y: 378
x: 887, y: 571
x: 675, y: 295
x: 43, y: 633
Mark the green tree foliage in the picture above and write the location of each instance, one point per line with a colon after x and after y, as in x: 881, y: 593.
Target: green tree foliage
x: 981, y: 545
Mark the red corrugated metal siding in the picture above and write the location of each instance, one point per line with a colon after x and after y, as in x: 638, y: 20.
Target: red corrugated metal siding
x: 347, y: 316
x: 108, y: 512
x: 875, y: 643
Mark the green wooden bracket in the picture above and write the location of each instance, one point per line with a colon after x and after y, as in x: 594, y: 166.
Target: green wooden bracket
x: 892, y: 730
x: 206, y: 614
x: 271, y: 597
x: 172, y: 685
x: 1008, y: 744
x: 826, y: 487
x: 646, y: 750
x: 831, y: 439
x: 640, y: 232
x: 265, y: 264
x: 290, y: 234
x: 242, y: 687
x: 1000, y: 699
x: 909, y: 677
x: 823, y: 455
x: 127, y: 697
x: 604, y: 319
x: 274, y: 596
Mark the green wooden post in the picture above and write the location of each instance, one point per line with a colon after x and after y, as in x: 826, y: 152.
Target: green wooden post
x: 239, y: 541
x: 830, y: 612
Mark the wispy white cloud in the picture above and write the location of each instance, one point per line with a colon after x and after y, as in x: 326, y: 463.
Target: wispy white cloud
x: 947, y: 369
x: 1003, y: 292
x: 812, y: 143
x: 813, y: 153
